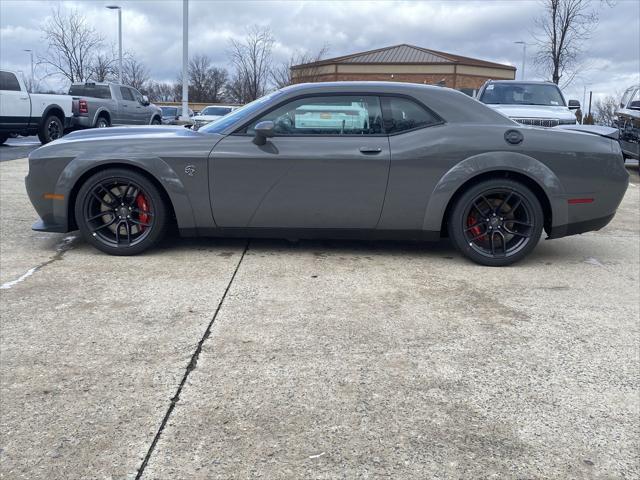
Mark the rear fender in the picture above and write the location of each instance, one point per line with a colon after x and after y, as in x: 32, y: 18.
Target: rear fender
x: 153, y: 166
x: 484, y: 163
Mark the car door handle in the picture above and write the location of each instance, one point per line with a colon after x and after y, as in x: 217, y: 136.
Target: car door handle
x: 125, y: 106
x: 370, y: 149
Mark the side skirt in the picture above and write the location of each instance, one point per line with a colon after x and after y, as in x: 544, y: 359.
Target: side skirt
x: 313, y: 233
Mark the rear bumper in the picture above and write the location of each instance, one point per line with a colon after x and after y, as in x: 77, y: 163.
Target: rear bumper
x: 560, y: 231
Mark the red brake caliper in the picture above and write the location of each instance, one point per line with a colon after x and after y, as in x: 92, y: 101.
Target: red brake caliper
x: 471, y: 220
x: 141, y: 202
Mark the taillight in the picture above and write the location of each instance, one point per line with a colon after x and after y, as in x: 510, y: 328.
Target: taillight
x: 83, y: 107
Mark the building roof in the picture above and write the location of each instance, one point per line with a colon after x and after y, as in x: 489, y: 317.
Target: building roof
x: 404, y: 54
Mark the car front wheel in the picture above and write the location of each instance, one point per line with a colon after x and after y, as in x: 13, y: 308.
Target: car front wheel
x: 121, y: 212
x: 496, y: 222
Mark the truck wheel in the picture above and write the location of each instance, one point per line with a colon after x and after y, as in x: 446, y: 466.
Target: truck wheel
x: 51, y: 129
x: 102, y: 122
x: 3, y: 138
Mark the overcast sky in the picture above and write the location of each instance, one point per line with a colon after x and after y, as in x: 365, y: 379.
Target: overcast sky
x: 483, y: 29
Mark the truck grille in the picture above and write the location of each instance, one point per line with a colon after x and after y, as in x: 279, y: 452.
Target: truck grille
x: 538, y: 122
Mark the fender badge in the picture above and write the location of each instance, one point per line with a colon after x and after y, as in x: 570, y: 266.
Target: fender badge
x: 190, y: 170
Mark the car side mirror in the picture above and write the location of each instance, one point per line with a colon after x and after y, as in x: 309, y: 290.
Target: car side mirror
x: 574, y: 104
x: 145, y: 100
x: 263, y: 130
x: 635, y: 105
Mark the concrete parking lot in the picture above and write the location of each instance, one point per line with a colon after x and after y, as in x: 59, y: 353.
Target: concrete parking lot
x: 267, y: 359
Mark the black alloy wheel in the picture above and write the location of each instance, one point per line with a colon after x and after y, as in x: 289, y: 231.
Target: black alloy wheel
x: 51, y: 129
x: 121, y: 212
x: 496, y: 222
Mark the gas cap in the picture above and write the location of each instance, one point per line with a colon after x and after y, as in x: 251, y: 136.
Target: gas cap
x: 513, y: 137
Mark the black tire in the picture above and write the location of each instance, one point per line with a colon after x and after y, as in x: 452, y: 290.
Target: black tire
x: 107, y: 208
x: 102, y: 122
x: 3, y: 138
x: 51, y: 129
x: 496, y: 222
x: 156, y: 121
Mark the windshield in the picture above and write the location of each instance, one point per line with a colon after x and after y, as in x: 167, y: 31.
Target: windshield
x: 522, y: 94
x: 169, y: 111
x: 242, y: 113
x: 219, y: 111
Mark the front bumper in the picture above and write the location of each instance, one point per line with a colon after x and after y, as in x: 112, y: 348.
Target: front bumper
x: 41, y: 226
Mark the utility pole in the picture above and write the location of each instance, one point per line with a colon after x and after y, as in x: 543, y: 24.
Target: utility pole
x: 116, y: 7
x: 185, y: 60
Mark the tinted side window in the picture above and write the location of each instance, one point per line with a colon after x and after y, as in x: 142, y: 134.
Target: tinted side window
x: 136, y: 94
x: 401, y: 114
x: 330, y: 115
x: 126, y: 94
x: 8, y: 81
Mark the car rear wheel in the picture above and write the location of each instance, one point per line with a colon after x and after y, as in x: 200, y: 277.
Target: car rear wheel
x: 102, y: 122
x: 156, y: 121
x: 121, y: 212
x: 496, y: 222
x: 51, y: 129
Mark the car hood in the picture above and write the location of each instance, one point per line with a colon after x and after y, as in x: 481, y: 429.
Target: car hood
x: 207, y: 117
x: 533, y: 111
x: 143, y: 131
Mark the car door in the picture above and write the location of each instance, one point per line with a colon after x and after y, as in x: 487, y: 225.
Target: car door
x: 127, y: 107
x: 326, y: 167
x: 141, y: 113
x: 15, y: 105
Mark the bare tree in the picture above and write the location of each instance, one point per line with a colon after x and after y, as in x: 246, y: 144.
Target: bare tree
x: 251, y: 59
x: 103, y: 67
x: 73, y: 45
x: 282, y: 75
x: 134, y: 72
x: 162, y: 92
x: 604, y: 110
x: 562, y: 30
x: 206, y: 82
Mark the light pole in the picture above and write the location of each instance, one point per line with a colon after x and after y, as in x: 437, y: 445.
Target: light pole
x: 584, y: 95
x: 116, y: 7
x: 524, y: 56
x: 185, y: 60
x: 32, y: 76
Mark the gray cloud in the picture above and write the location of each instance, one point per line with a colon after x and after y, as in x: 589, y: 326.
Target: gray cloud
x: 487, y: 30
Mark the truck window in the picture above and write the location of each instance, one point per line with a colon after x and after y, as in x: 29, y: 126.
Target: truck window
x: 8, y: 81
x: 89, y: 90
x: 126, y: 94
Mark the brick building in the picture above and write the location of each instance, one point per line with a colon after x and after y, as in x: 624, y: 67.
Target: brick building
x: 405, y: 63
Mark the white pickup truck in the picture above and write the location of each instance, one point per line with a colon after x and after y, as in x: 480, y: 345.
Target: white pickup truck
x: 22, y: 113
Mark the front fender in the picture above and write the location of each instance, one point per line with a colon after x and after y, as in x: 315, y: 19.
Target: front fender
x: 154, y: 166
x: 476, y: 165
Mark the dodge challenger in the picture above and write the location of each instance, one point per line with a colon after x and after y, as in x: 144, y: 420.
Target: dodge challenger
x: 334, y: 160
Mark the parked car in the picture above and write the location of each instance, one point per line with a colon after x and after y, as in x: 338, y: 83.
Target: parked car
x: 424, y: 163
x: 211, y: 113
x: 105, y: 104
x: 24, y: 113
x: 530, y: 103
x: 628, y: 122
x: 171, y: 115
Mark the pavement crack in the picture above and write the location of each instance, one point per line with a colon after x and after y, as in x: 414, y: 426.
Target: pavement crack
x: 61, y: 248
x: 193, y: 362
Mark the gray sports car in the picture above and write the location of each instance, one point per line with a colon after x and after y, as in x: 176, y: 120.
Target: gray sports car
x: 337, y: 160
